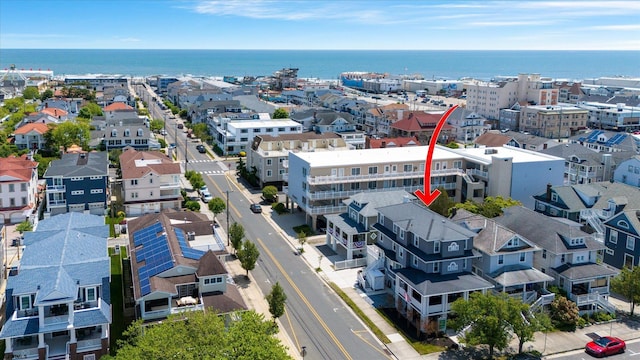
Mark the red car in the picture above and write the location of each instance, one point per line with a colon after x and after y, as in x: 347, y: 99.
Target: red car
x: 605, y: 346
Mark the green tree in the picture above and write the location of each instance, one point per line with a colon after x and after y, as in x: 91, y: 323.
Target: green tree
x: 47, y: 94
x: 487, y: 315
x: 564, y: 313
x: 68, y: 133
x: 43, y: 163
x: 302, y: 239
x: 30, y: 93
x: 156, y: 125
x: 183, y: 113
x: 201, y: 131
x: 90, y: 110
x: 248, y: 255
x: 280, y: 113
x: 627, y: 284
x: 276, y: 299
x: 192, y: 205
x: 13, y: 104
x: 269, y: 192
x: 443, y: 203
x: 217, y: 206
x: 189, y: 336
x: 522, y: 323
x: 490, y: 207
x: 24, y: 226
x: 236, y: 235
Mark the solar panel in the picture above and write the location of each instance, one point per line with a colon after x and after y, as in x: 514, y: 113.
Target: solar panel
x: 155, y: 253
x: 621, y: 138
x: 187, y: 251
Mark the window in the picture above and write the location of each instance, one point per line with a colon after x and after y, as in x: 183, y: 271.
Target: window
x: 609, y: 252
x: 372, y: 184
x: 150, y: 180
x: 77, y: 192
x: 280, y: 129
x: 415, y: 261
x: 89, y: 357
x: 436, y: 246
x: 25, y: 302
x: 244, y: 131
x: 401, y: 253
x: 500, y: 259
x: 293, y: 129
x: 628, y: 261
x: 269, y: 129
x: 544, y: 253
x: 613, y: 237
x: 256, y: 131
x: 96, y: 191
x: 355, y: 171
x: 12, y: 188
x: 416, y: 241
x: 134, y: 195
x: 554, y: 197
x: 453, y: 247
x: 436, y: 267
x: 631, y: 242
x: 373, y: 169
x: 91, y: 294
x: 623, y: 224
x: 207, y: 281
x: 268, y: 173
x: 523, y: 257
x: 23, y: 186
x: 563, y: 258
x: 401, y: 234
x: 452, y: 267
x: 95, y: 177
x: 408, y: 168
x: 150, y: 193
x: 268, y: 162
x: 134, y: 181
x: 77, y: 178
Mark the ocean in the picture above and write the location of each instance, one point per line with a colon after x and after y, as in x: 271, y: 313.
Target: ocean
x: 328, y: 64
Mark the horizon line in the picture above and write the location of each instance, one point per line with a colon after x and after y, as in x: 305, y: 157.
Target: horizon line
x: 196, y: 49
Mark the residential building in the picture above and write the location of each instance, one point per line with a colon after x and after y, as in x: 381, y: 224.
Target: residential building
x: 269, y: 155
x: 132, y: 132
x: 584, y: 165
x: 56, y: 113
x: 319, y: 182
x: 237, y: 135
x: 434, y: 87
x: 506, y: 259
x: 553, y: 121
x: 377, y: 142
x: 425, y: 260
x: 527, y: 141
x: 96, y: 81
x: 78, y: 182
x: 569, y: 255
x: 487, y: 98
x: 150, y: 182
x: 347, y: 232
x: 611, y: 116
x: 628, y: 172
x: 31, y: 136
x: 18, y: 188
x: 170, y: 276
x: 467, y: 125
x: 622, y: 238
x: 422, y: 125
x: 607, y: 141
x: 59, y: 303
x: 119, y: 111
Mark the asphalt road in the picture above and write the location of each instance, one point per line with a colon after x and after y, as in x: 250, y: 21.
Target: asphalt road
x: 315, y: 317
x: 633, y: 352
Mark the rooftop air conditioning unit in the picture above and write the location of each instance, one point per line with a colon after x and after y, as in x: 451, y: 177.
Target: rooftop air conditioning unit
x: 191, y: 236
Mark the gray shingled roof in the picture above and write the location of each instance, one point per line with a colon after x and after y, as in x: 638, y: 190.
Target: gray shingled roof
x: 546, y: 232
x: 371, y: 201
x: 437, y: 284
x: 585, y: 271
x: 83, y: 164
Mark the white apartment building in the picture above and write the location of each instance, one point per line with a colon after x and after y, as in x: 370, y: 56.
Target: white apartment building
x: 611, y: 116
x: 150, y: 182
x: 319, y: 182
x: 270, y: 154
x: 235, y: 136
x: 487, y: 98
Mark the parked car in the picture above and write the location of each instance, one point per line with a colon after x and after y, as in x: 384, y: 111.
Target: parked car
x: 163, y: 132
x: 206, y: 197
x: 256, y: 208
x: 201, y: 149
x: 203, y: 189
x: 605, y: 346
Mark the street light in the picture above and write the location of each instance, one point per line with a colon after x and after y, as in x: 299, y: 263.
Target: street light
x: 228, y: 236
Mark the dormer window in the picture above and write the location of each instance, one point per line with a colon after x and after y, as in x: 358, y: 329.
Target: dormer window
x: 139, y: 132
x: 114, y: 133
x: 127, y: 132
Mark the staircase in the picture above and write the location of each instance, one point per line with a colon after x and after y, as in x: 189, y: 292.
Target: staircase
x: 594, y: 221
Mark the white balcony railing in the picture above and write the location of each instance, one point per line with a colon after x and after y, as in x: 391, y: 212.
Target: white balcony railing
x: 320, y: 210
x: 324, y: 195
x: 56, y: 203
x: 89, y: 344
x: 170, y: 185
x: 477, y: 172
x: 56, y: 188
x: 334, y: 179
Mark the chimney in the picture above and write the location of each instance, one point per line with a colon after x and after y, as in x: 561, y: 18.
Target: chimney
x: 548, y: 192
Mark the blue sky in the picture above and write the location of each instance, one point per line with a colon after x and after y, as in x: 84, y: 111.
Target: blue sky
x: 362, y: 24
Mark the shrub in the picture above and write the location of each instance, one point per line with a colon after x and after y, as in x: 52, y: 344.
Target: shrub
x: 279, y: 208
x: 192, y: 205
x: 270, y: 192
x: 564, y: 314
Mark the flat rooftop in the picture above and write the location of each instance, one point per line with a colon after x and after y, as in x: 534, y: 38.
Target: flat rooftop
x: 518, y: 155
x: 374, y: 156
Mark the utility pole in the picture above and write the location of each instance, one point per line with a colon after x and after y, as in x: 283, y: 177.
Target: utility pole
x: 228, y: 236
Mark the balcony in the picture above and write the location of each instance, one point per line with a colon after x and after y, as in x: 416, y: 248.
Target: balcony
x: 56, y: 188
x: 56, y: 203
x: 477, y: 172
x: 326, y: 195
x: 321, y: 210
x: 175, y: 185
x: 336, y: 179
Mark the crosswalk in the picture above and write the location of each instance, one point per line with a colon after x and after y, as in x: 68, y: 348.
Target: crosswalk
x: 211, y: 172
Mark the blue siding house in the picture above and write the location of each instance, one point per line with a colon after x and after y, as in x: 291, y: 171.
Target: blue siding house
x: 622, y: 239
x: 58, y: 304
x: 78, y: 182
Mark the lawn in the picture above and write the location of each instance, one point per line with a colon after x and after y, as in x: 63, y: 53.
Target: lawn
x: 117, y: 304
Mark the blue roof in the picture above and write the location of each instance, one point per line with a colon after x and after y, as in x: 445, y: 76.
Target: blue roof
x: 92, y: 317
x: 64, y: 252
x: 187, y: 251
x: 20, y: 327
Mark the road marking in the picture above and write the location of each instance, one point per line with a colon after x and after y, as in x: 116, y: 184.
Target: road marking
x: 230, y: 204
x: 304, y: 299
x: 357, y: 333
x: 295, y: 338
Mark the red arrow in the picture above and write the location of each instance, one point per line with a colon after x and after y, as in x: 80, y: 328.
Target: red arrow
x: 427, y: 196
